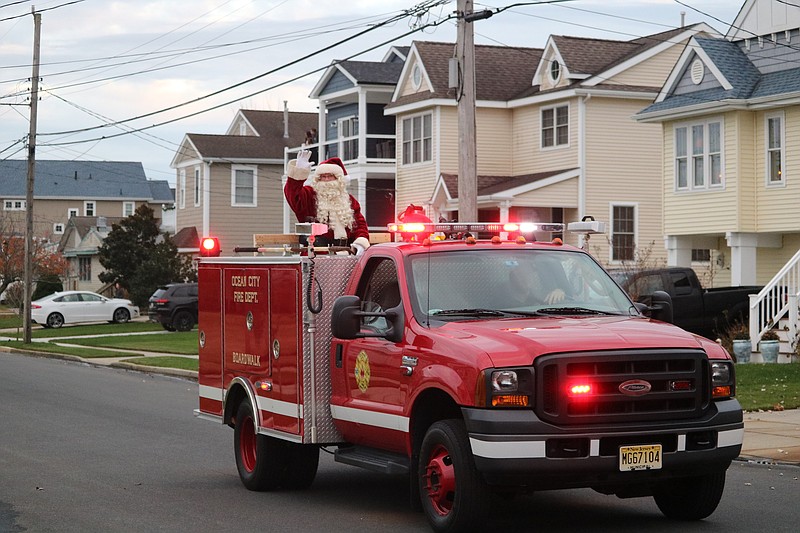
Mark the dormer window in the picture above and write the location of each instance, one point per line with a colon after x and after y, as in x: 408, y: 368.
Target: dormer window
x: 416, y: 76
x: 555, y: 70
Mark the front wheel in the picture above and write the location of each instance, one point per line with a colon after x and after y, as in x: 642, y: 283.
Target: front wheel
x: 691, y: 498
x: 453, y: 495
x: 121, y: 315
x: 55, y: 320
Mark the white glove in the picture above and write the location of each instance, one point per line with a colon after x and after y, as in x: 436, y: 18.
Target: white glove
x: 357, y: 248
x: 303, y: 159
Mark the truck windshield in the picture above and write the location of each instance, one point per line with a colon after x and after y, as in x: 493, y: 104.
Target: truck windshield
x: 491, y: 283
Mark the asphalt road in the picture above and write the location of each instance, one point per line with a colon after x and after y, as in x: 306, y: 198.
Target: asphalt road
x: 99, y: 449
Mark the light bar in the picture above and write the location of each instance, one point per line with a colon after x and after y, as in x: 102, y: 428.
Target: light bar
x: 474, y: 227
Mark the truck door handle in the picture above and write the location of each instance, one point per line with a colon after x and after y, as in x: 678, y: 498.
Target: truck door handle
x: 338, y: 356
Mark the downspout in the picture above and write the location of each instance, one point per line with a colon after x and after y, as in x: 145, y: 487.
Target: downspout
x: 206, y: 199
x: 582, y: 161
x: 285, y: 119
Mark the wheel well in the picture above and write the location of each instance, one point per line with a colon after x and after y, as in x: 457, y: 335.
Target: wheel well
x: 232, y: 400
x: 430, y: 406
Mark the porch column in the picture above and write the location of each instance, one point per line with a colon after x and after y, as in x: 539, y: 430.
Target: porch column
x: 505, y: 208
x: 322, y: 131
x: 362, y: 127
x: 679, y: 250
x: 744, y: 247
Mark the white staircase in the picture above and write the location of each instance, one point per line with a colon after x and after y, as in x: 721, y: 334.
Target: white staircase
x: 776, y: 307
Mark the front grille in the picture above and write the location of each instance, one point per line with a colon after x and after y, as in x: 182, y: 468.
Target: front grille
x: 678, y: 379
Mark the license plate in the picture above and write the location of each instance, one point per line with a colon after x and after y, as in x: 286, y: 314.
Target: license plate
x: 640, y: 457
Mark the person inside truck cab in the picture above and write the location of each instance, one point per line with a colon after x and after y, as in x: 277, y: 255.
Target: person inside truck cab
x: 326, y: 200
x: 530, y: 285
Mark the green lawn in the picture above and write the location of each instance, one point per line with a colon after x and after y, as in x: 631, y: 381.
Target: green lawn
x: 85, y: 353
x: 765, y: 386
x: 38, y: 332
x: 167, y: 361
x: 184, y: 343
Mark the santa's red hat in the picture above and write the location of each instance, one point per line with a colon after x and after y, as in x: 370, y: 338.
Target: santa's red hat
x: 333, y: 166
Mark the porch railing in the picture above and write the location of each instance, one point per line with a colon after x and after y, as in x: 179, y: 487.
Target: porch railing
x: 778, y: 299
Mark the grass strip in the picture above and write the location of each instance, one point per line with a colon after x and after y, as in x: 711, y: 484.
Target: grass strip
x: 167, y: 361
x: 38, y: 332
x: 86, y: 353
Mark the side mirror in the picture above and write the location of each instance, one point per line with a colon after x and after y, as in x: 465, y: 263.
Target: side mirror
x: 346, y: 318
x: 661, y: 307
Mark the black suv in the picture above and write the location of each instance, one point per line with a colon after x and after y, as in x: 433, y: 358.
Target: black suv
x: 174, y: 306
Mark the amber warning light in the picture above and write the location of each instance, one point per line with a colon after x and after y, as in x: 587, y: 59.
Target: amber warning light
x: 209, y: 247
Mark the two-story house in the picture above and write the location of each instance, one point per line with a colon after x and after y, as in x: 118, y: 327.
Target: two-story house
x: 352, y: 96
x: 230, y: 185
x: 554, y: 138
x: 730, y: 171
x: 65, y: 189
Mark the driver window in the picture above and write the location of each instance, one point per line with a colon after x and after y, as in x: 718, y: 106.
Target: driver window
x: 379, y: 290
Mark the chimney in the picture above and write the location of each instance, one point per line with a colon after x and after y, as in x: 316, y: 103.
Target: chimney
x: 285, y: 119
x: 102, y: 224
x: 683, y: 19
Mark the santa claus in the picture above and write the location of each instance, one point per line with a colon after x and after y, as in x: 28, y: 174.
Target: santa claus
x: 326, y: 200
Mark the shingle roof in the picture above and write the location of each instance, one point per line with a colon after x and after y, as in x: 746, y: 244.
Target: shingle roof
x: 501, y: 72
x: 372, y: 72
x: 268, y: 144
x: 81, y: 179
x: 733, y: 64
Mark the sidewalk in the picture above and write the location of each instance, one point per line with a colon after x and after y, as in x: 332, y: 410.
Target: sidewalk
x: 772, y: 436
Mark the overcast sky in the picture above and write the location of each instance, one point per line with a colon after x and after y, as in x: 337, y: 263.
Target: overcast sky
x: 130, y: 61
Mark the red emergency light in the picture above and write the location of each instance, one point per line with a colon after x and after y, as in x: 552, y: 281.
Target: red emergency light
x: 209, y: 247
x: 580, y: 389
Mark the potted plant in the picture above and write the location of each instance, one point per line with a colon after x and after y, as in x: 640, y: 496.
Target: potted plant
x: 742, y: 348
x: 769, y: 346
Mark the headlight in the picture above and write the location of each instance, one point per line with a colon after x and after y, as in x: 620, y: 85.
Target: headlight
x: 723, y: 380
x: 504, y: 381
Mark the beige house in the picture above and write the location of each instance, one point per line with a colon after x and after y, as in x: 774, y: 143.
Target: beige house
x: 229, y: 186
x: 730, y: 118
x: 555, y: 139
x: 79, y: 244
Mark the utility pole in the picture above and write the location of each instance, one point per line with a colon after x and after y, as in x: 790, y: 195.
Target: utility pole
x: 37, y: 27
x: 465, y: 98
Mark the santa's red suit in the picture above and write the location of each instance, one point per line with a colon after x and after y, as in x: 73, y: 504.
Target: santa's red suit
x: 327, y: 202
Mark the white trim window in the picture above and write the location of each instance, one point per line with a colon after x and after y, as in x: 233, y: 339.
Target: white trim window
x: 243, y: 186
x: 14, y: 205
x: 196, y: 187
x: 89, y: 209
x: 182, y: 189
x: 348, y: 138
x: 698, y: 156
x: 555, y: 126
x: 418, y: 139
x: 58, y: 228
x: 73, y: 212
x: 128, y: 208
x: 623, y: 232
x: 775, y: 160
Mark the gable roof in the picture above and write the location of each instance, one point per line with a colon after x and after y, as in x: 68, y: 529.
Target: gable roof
x: 385, y: 72
x: 488, y: 185
x: 90, y: 230
x: 106, y: 180
x: 267, y: 144
x: 501, y: 72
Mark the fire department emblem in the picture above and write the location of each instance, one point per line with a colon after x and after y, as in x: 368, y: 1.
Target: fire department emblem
x: 362, y: 371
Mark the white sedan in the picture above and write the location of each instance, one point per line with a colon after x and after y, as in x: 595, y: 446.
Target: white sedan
x: 70, y: 307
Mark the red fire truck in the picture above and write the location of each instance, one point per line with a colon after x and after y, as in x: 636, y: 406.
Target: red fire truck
x: 476, y: 367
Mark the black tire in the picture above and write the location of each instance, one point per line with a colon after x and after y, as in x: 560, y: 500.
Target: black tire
x: 168, y: 327
x: 121, y: 315
x: 183, y: 321
x: 453, y: 495
x: 259, y: 459
x: 55, y: 320
x: 691, y: 498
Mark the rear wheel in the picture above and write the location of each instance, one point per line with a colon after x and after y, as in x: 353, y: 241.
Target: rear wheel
x: 55, y: 320
x: 691, y: 498
x: 168, y: 327
x: 183, y: 321
x: 453, y: 495
x: 259, y: 459
x: 121, y: 315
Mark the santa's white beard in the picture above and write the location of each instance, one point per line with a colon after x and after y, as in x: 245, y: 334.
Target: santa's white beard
x: 333, y: 207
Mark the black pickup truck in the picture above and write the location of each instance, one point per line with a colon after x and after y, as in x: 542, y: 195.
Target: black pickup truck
x: 707, y: 312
